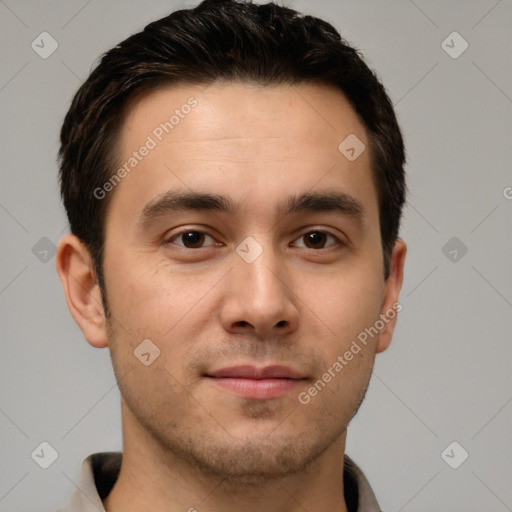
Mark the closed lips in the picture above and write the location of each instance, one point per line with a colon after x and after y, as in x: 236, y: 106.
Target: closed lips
x: 251, y: 372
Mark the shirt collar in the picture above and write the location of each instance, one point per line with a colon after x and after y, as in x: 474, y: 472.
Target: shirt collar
x: 100, y: 471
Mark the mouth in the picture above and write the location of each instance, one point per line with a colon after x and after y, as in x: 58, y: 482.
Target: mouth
x: 257, y: 383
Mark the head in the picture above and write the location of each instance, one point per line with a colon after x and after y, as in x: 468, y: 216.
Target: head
x: 226, y: 120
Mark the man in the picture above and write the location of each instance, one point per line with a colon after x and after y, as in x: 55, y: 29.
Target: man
x: 233, y: 177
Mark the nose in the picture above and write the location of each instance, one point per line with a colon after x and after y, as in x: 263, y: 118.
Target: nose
x: 259, y: 298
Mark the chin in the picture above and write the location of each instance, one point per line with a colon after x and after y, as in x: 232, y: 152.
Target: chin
x: 256, y: 460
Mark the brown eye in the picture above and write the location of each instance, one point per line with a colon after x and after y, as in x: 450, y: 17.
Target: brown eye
x: 190, y: 239
x: 316, y: 239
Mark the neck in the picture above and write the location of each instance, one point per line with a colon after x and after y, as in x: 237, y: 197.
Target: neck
x: 152, y: 478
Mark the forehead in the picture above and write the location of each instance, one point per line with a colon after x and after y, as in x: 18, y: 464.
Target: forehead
x: 238, y: 109
x: 244, y: 139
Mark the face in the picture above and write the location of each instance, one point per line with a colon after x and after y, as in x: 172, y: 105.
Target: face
x: 246, y: 247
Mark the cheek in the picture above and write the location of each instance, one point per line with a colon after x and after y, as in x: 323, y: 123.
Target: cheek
x: 157, y: 302
x: 157, y: 395
x: 142, y: 286
x: 344, y: 303
x: 347, y: 306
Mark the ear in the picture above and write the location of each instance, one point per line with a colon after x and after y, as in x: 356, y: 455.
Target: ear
x: 76, y: 272
x: 390, y: 304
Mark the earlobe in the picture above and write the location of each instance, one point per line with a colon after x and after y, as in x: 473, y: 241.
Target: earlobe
x: 83, y: 297
x: 390, y: 304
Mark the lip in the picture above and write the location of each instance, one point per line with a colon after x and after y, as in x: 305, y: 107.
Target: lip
x: 257, y: 383
x: 251, y: 372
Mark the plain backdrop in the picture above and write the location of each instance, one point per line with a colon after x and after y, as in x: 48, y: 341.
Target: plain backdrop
x: 447, y: 377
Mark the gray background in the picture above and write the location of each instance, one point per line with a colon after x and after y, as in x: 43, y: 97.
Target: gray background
x: 446, y: 376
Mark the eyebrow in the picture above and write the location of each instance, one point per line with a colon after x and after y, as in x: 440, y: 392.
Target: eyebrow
x: 174, y: 201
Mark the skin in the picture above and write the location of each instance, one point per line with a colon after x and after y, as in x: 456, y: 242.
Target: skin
x: 188, y: 443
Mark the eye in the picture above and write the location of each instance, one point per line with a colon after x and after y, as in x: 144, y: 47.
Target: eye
x: 191, y: 239
x: 317, y: 239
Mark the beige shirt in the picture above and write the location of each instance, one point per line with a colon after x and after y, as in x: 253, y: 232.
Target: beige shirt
x: 100, y: 471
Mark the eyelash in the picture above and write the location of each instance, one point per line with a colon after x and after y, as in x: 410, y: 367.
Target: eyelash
x: 185, y: 231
